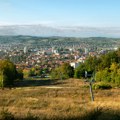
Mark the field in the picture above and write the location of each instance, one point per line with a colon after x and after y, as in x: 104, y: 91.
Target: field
x: 58, y: 100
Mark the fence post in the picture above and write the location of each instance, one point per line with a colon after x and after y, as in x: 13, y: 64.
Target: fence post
x: 91, y: 92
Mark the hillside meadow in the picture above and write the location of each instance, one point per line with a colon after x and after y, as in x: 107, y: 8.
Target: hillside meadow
x: 58, y: 100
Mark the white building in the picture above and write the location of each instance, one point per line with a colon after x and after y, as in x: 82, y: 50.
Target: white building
x: 74, y: 64
x: 25, y: 49
x: 81, y: 59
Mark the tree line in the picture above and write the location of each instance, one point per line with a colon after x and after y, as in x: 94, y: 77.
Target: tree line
x: 105, y: 68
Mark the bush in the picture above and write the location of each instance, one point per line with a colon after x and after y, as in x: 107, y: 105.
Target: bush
x: 102, y: 86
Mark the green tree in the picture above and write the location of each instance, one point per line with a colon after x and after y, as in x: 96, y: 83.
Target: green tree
x: 91, y: 63
x: 113, y: 71
x: 7, y: 73
x: 117, y: 78
x: 80, y: 71
x: 19, y: 74
x: 55, y: 74
x: 32, y: 72
x: 98, y: 76
x: 65, y: 71
x: 103, y: 75
x: 26, y: 73
x: 108, y: 59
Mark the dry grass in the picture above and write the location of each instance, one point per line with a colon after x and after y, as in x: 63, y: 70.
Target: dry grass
x: 67, y: 99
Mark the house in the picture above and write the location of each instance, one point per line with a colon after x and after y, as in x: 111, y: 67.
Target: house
x: 74, y: 64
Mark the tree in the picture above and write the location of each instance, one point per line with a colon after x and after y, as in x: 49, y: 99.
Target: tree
x: 114, y: 67
x: 32, y: 72
x: 26, y: 73
x: 103, y: 75
x: 7, y: 73
x: 19, y: 74
x: 38, y: 72
x: 108, y: 59
x: 80, y: 71
x: 117, y: 78
x: 55, y: 74
x: 91, y: 63
x: 65, y: 71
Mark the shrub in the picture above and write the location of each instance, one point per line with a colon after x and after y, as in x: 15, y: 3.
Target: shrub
x: 102, y: 86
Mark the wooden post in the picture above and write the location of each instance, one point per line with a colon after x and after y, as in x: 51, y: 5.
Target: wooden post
x: 61, y: 75
x: 90, y: 83
x: 2, y: 81
x: 91, y: 92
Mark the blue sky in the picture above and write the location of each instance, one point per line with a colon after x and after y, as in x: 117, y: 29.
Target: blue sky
x: 93, y: 13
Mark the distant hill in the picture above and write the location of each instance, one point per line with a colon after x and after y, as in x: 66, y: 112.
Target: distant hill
x: 101, y: 42
x: 44, y: 30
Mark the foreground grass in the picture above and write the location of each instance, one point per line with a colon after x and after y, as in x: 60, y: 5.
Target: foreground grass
x: 59, y: 100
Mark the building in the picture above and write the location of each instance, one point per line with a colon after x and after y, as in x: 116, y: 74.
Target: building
x: 74, y: 64
x: 25, y: 49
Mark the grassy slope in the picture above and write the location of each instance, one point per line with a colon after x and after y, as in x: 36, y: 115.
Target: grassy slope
x: 71, y: 100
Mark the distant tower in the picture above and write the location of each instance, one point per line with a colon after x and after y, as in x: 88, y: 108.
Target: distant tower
x: 86, y: 50
x: 53, y: 48
x: 74, y: 48
x: 25, y: 49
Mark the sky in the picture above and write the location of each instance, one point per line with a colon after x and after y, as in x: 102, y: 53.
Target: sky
x: 89, y: 13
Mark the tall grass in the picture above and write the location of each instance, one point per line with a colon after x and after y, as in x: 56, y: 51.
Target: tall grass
x: 70, y: 101
x: 97, y: 113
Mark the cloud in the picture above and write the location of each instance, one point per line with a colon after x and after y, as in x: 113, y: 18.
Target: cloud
x: 44, y: 30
